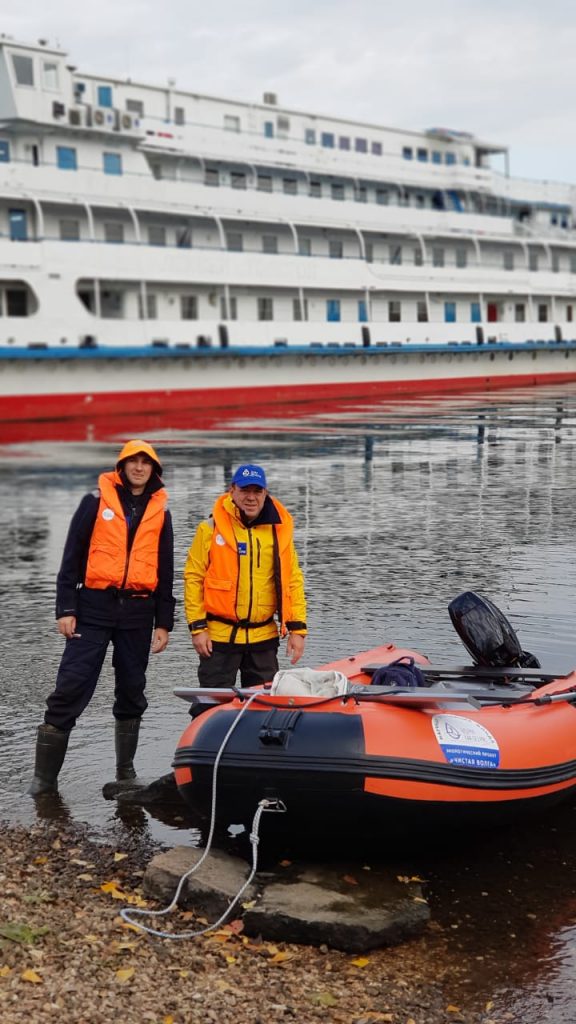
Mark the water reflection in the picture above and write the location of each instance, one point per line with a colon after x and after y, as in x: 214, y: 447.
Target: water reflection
x: 398, y: 508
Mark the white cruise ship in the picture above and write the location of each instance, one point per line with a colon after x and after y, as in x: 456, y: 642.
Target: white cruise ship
x: 158, y: 242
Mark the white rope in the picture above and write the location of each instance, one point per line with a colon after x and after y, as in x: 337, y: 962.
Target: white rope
x: 127, y: 913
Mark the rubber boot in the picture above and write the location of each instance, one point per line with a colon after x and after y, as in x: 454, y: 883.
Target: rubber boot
x: 51, y: 746
x: 126, y: 743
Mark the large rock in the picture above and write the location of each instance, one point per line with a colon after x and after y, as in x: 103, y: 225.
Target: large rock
x: 347, y: 907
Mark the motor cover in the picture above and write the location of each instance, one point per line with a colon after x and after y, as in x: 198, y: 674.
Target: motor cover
x: 486, y: 633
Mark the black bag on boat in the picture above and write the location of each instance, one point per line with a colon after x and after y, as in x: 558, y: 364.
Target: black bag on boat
x: 402, y: 672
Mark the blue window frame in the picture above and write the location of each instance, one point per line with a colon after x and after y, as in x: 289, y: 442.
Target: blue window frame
x: 450, y: 312
x: 328, y: 140
x: 362, y: 311
x: 269, y: 129
x: 475, y: 313
x: 450, y: 158
x: 333, y: 310
x: 112, y: 163
x: 422, y: 155
x: 4, y: 151
x: 104, y: 95
x: 310, y: 137
x: 18, y: 225
x: 66, y: 158
x: 436, y: 157
x: 407, y: 153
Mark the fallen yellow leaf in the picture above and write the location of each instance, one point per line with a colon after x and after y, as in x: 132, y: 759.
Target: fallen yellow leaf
x: 362, y: 961
x: 489, y: 1005
x: 124, y: 974
x: 5, y: 971
x: 452, y: 1009
x: 231, y: 959
x: 168, y: 1020
x: 31, y: 976
x: 40, y: 860
x: 119, y: 856
x: 280, y: 958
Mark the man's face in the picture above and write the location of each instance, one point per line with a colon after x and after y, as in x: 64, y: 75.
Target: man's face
x: 249, y: 500
x: 138, y: 470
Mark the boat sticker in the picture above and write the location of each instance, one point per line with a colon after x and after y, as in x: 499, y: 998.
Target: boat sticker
x: 107, y: 514
x: 220, y: 540
x: 242, y: 547
x: 466, y: 742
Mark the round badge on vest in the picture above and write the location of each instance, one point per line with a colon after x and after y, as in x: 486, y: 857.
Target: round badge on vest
x: 220, y: 540
x: 108, y: 514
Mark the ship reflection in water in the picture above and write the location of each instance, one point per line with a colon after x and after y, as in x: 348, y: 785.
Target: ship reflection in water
x: 399, y: 506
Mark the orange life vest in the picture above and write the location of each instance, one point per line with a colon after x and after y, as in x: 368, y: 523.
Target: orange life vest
x: 223, y: 571
x: 109, y: 564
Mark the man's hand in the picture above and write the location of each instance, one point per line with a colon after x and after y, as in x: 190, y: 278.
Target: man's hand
x: 67, y: 626
x: 295, y: 647
x: 202, y: 643
x: 159, y: 640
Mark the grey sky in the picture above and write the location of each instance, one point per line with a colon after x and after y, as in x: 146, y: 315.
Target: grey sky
x: 502, y: 69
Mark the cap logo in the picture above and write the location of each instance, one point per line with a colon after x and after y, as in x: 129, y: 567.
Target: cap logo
x: 107, y: 514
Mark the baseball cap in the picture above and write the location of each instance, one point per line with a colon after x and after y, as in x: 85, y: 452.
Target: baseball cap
x: 250, y: 476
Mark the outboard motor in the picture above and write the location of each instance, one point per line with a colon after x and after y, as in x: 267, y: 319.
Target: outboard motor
x: 487, y: 634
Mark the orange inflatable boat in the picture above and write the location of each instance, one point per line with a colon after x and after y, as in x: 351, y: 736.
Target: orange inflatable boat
x: 439, y: 747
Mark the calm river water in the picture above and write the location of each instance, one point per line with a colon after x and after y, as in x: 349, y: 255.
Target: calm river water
x: 399, y: 507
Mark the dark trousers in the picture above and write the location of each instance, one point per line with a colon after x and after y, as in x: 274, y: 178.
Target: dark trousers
x: 256, y: 664
x: 80, y: 669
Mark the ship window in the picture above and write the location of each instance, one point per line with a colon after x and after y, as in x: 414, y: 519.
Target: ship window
x: 283, y: 125
x: 362, y: 311
x: 50, y: 75
x: 112, y: 304
x: 150, y: 312
x: 369, y: 252
x: 382, y: 197
x: 436, y: 157
x: 212, y: 176
x: 407, y: 153
x: 232, y: 313
x: 264, y: 183
x: 418, y: 257
x: 377, y: 148
x: 333, y: 310
x: 270, y: 243
x: 450, y: 158
x: 422, y: 155
x: 104, y: 95
x: 361, y: 145
x: 231, y: 123
x: 156, y: 234
x: 305, y: 247
x: 114, y: 232
x: 69, y: 230
x: 555, y: 262
x: 533, y: 260
x: 508, y: 260
x: 189, y: 307
x: 290, y: 186
x: 327, y: 140
x: 315, y: 189
x: 344, y: 142
x: 16, y: 302
x: 184, y: 237
x: 361, y: 194
x: 112, y: 163
x: 573, y: 263
x: 475, y: 313
x: 396, y: 255
x: 66, y: 158
x: 450, y: 312
x: 265, y: 309
x: 569, y: 312
x: 4, y: 151
x: 542, y: 312
x: 520, y: 312
x: 335, y: 249
x: 179, y: 115
x: 394, y: 311
x: 234, y: 241
x: 337, y: 191
x: 135, y: 107
x: 238, y: 179
x: 23, y: 69
x: 269, y: 129
x: 299, y: 308
x: 421, y: 312
x: 461, y: 256
x: 437, y: 256
x: 18, y: 225
x: 310, y: 137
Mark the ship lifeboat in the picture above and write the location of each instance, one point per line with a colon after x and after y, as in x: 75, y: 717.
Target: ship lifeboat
x: 397, y: 745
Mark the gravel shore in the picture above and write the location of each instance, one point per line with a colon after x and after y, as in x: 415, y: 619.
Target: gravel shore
x: 66, y: 954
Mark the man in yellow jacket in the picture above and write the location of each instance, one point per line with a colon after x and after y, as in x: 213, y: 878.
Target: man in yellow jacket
x: 243, y: 586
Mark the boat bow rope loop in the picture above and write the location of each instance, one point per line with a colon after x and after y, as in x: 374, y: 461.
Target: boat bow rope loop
x: 274, y: 805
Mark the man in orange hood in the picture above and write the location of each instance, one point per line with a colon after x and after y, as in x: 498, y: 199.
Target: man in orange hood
x: 114, y: 585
